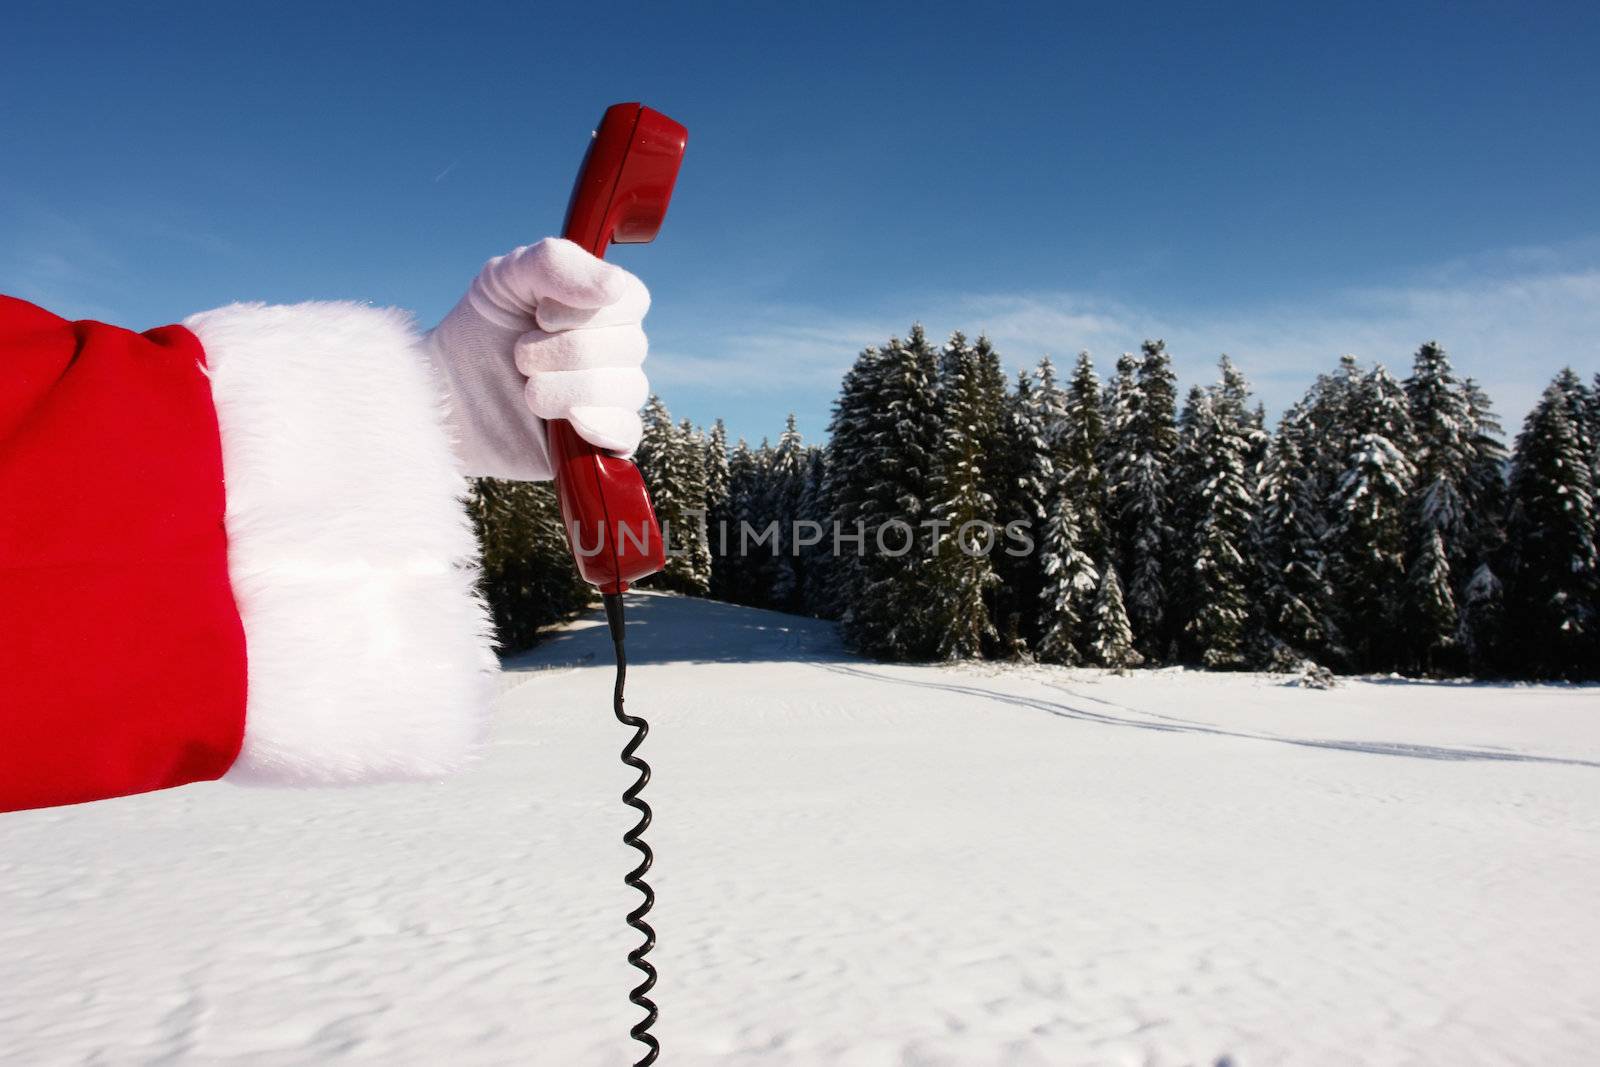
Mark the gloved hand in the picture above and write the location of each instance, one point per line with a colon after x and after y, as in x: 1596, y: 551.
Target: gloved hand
x: 547, y: 331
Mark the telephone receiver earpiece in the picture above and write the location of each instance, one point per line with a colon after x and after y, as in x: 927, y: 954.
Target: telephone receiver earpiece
x: 621, y: 196
x: 626, y: 180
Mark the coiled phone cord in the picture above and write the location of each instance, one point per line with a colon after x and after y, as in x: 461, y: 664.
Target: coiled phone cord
x: 635, y: 878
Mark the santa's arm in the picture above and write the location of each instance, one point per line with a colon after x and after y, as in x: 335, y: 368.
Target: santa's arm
x: 236, y: 548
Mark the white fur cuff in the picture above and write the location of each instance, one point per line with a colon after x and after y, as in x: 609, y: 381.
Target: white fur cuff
x: 350, y: 554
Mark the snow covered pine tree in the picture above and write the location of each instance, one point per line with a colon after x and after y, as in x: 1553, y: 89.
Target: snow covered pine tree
x: 1442, y: 427
x: 1073, y: 546
x: 1553, y: 537
x: 1369, y: 531
x: 1223, y: 436
x: 890, y: 614
x: 1077, y: 447
x: 785, y: 483
x: 1295, y: 606
x: 964, y: 512
x: 528, y: 577
x: 719, y: 481
x: 1141, y: 441
x: 1112, y: 637
x: 672, y: 461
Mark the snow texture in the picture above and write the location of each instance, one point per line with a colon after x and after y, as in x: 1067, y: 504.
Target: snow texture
x: 858, y: 864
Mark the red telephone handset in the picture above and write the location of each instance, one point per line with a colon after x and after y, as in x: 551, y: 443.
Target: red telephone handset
x: 621, y: 195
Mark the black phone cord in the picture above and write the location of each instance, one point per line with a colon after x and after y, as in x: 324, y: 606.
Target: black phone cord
x: 635, y: 878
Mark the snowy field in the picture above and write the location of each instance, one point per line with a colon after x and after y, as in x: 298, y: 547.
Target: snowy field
x: 860, y: 865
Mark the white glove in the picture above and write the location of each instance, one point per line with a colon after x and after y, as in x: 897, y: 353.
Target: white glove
x: 545, y: 332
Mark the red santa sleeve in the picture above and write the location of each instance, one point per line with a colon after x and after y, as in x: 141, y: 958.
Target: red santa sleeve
x: 230, y: 549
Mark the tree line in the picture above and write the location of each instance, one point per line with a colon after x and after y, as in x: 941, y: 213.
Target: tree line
x: 1381, y: 526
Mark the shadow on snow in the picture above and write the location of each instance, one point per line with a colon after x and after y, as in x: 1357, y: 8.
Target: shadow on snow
x: 1169, y: 724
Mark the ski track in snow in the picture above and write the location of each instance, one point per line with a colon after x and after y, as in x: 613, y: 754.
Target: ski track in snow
x: 857, y: 864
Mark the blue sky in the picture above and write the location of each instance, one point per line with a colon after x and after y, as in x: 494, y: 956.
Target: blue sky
x: 1277, y: 183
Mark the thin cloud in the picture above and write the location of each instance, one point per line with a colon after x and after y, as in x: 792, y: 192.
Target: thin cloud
x: 1510, y: 320
x: 766, y: 348
x: 81, y: 264
x: 57, y: 262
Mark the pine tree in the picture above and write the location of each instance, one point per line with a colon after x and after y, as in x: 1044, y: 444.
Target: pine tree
x: 1185, y: 508
x: 1552, y: 531
x: 1026, y: 487
x: 850, y: 477
x: 718, y: 487
x: 1119, y: 399
x: 741, y: 562
x: 1442, y: 423
x: 1025, y: 424
x: 813, y: 560
x: 761, y: 544
x: 1384, y: 408
x: 716, y: 463
x: 659, y: 463
x: 1333, y: 420
x: 1369, y: 533
x: 527, y: 576
x: 671, y: 459
x: 889, y: 614
x: 1258, y: 452
x: 1142, y: 439
x: 1224, y: 436
x: 1005, y: 442
x: 1073, y: 537
x: 1593, y: 421
x: 1482, y: 634
x: 1049, y: 403
x: 1295, y: 604
x: 1431, y: 603
x: 786, y: 475
x: 991, y: 374
x: 689, y: 566
x: 1070, y: 583
x: 963, y: 576
x: 1111, y: 635
x: 1078, y: 446
x: 655, y: 445
x: 1484, y: 493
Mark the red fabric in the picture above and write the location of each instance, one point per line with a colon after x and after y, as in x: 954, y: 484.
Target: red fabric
x: 122, y: 658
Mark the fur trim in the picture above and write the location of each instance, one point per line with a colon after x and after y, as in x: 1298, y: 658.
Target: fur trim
x: 349, y: 550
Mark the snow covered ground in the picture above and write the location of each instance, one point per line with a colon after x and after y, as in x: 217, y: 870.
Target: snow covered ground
x: 858, y: 864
